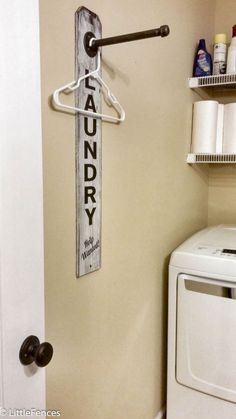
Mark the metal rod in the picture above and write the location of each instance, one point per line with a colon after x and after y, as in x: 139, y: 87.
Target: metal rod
x: 162, y: 31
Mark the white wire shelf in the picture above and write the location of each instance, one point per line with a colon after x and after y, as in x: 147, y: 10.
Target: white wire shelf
x: 224, y: 80
x: 211, y: 158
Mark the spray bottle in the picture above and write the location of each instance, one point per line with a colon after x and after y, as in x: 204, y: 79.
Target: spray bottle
x: 231, y: 60
x: 220, y: 49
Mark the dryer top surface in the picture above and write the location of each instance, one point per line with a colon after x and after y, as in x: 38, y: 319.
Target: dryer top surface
x: 211, y: 250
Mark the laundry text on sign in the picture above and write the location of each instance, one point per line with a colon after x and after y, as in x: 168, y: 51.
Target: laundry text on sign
x: 90, y: 151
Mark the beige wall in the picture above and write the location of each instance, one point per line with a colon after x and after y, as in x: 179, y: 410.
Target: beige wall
x: 109, y: 328
x: 222, y: 195
x: 222, y: 179
x: 225, y: 17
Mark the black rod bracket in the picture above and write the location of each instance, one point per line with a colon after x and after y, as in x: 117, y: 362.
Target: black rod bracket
x: 91, y: 45
x: 92, y: 52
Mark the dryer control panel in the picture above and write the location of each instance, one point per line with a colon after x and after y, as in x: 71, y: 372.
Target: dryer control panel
x: 229, y: 251
x: 216, y: 251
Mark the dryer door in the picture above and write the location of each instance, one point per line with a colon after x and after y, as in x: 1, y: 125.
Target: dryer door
x: 206, y: 336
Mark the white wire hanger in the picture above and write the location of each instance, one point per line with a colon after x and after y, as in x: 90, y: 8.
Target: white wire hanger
x: 109, y: 96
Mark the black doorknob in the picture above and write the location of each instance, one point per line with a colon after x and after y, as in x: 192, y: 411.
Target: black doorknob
x: 33, y: 351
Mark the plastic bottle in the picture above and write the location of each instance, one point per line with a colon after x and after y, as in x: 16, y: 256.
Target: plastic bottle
x: 203, y: 62
x: 220, y: 50
x: 231, y: 60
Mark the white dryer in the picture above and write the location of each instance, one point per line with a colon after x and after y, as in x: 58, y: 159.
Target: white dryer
x: 202, y: 327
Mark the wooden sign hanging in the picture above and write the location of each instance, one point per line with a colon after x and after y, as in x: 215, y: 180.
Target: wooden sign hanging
x: 88, y: 150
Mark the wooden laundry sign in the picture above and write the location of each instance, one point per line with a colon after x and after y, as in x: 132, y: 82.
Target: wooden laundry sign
x: 88, y: 150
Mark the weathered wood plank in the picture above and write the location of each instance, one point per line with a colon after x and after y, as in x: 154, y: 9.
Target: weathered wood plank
x: 88, y: 151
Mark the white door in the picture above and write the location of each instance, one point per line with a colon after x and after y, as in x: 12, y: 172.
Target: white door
x: 21, y: 204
